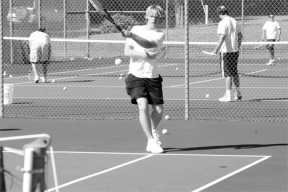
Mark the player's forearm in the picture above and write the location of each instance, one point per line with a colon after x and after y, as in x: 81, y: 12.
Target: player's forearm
x: 135, y: 54
x: 143, y: 42
x: 220, y: 42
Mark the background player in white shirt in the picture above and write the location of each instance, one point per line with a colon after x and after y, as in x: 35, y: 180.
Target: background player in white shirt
x: 40, y: 52
x: 228, y: 45
x: 144, y: 83
x: 271, y: 33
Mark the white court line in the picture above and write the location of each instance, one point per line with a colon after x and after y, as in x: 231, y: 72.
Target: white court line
x: 214, y: 79
x: 230, y: 174
x: 160, y: 154
x: 101, y: 172
x: 29, y: 82
x: 150, y: 155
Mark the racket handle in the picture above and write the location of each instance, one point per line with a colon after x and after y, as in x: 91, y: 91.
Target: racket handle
x: 119, y: 28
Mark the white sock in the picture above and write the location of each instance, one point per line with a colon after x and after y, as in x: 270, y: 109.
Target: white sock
x: 228, y: 92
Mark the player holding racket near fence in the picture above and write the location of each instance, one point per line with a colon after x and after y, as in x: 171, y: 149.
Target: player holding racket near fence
x: 144, y: 83
x: 229, y: 45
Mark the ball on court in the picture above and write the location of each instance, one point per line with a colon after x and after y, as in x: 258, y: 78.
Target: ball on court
x: 118, y: 61
x: 279, y: 58
x: 176, y: 68
x: 120, y: 77
x: 64, y: 88
x: 53, y: 81
x: 164, y: 131
x: 167, y: 117
x: 207, y: 95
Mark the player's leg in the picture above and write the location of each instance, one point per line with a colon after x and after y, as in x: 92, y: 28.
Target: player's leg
x: 156, y: 117
x: 226, y: 60
x: 44, y: 69
x: 34, y: 58
x: 270, y: 48
x: 34, y: 69
x: 155, y: 98
x: 144, y: 117
x: 235, y: 75
x: 136, y: 89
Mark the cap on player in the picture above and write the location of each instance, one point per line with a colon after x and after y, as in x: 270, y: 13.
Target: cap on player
x: 222, y: 10
x: 271, y: 15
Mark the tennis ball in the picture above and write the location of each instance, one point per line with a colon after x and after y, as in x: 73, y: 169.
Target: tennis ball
x: 4, y: 73
x: 10, y: 76
x: 167, y: 117
x: 118, y: 61
x: 207, y: 95
x: 53, y: 80
x: 164, y: 131
x: 120, y: 77
x: 176, y: 68
x: 64, y: 88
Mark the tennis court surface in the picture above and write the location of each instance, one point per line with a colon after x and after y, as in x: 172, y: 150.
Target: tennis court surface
x: 93, y: 155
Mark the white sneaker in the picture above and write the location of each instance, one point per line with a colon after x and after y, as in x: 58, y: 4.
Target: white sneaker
x: 43, y: 80
x: 271, y: 62
x: 238, y: 96
x: 225, y: 98
x: 156, y: 136
x: 36, y: 79
x: 153, y: 147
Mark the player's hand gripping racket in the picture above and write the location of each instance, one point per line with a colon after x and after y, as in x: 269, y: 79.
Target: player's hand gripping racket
x: 209, y: 53
x: 98, y: 6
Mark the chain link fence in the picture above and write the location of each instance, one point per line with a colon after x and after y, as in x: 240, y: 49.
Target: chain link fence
x: 84, y: 83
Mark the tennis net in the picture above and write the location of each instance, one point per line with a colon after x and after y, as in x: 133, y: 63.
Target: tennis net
x: 71, y: 57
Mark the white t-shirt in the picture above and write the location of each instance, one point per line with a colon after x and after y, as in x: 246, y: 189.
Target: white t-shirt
x: 229, y: 27
x: 145, y: 68
x: 38, y: 38
x: 271, y: 29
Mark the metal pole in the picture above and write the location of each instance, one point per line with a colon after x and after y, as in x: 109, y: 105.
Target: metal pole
x: 241, y: 48
x: 39, y: 14
x: 167, y: 25
x: 1, y: 72
x: 186, y: 61
x: 64, y: 26
x: 243, y: 17
x: 88, y: 26
x: 11, y: 32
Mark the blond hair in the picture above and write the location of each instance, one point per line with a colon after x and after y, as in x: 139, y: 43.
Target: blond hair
x: 155, y: 10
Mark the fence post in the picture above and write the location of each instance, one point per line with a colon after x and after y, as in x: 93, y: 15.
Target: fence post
x: 186, y: 61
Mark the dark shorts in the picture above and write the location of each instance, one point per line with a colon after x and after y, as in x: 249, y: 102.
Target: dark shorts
x: 270, y: 46
x: 150, y: 88
x: 229, y: 63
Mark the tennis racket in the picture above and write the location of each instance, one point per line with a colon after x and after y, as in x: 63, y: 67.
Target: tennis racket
x: 98, y: 6
x: 209, y: 53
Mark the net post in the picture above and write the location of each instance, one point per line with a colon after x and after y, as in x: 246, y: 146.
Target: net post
x: 2, y: 171
x: 186, y: 61
x: 28, y: 167
x: 34, y: 165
